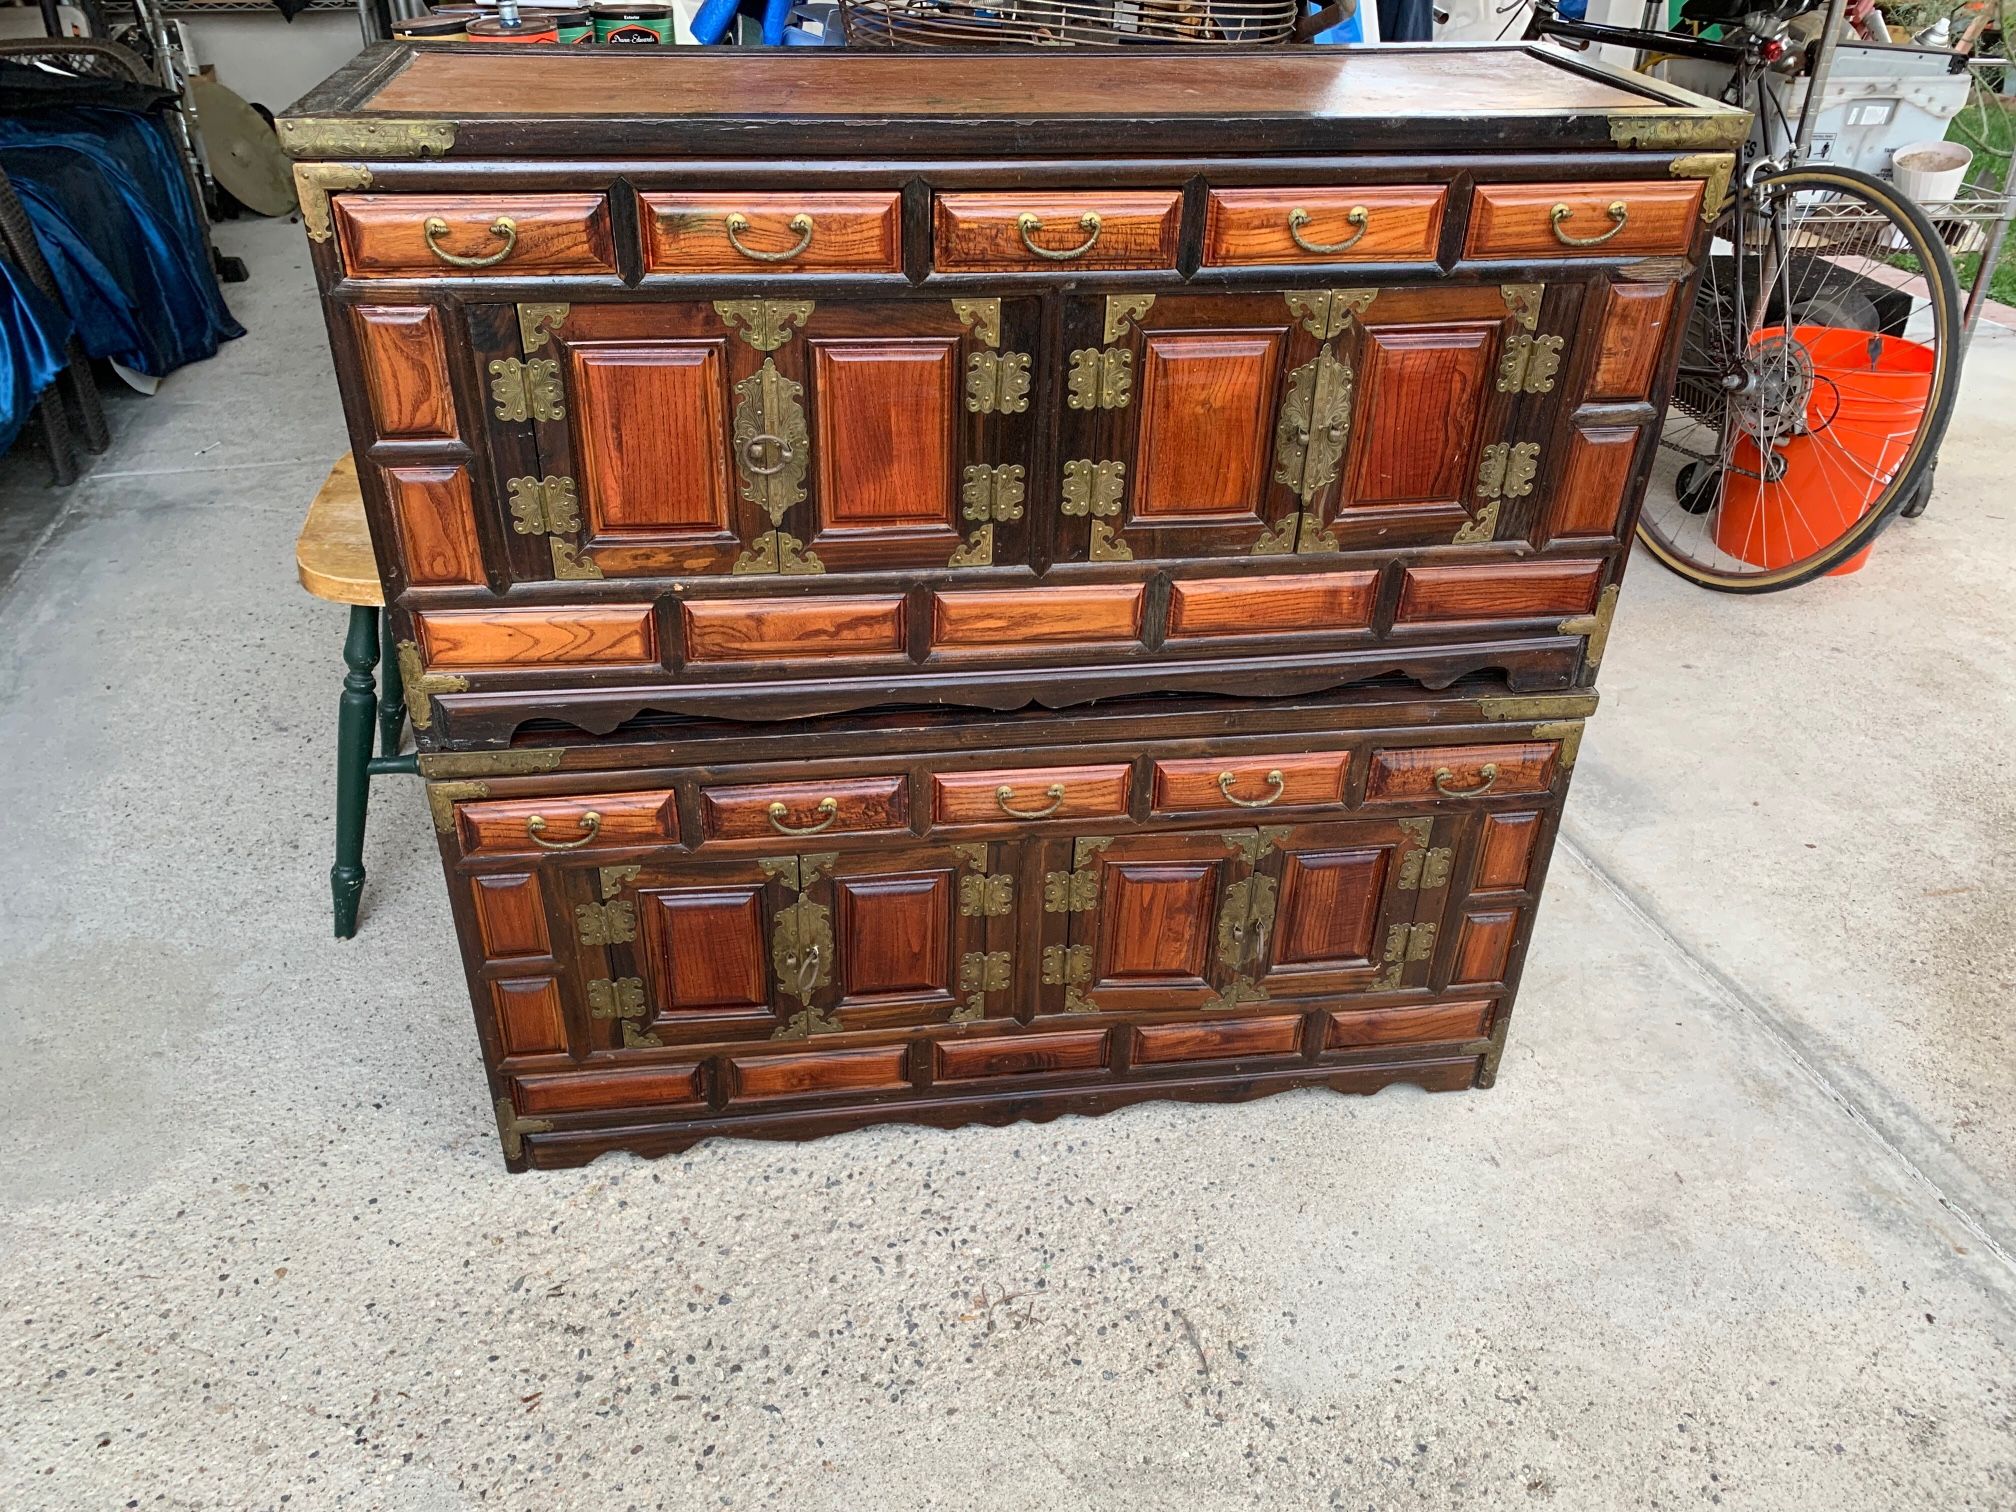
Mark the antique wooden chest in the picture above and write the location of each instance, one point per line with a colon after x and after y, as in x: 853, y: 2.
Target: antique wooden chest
x: 975, y: 587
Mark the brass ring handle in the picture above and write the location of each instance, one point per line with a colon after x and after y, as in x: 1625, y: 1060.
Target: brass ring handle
x: 830, y: 807
x: 590, y: 822
x: 1089, y: 222
x: 434, y: 228
x: 1617, y: 210
x: 738, y: 224
x: 1054, y: 792
x: 1443, y: 777
x: 1226, y: 779
x: 1359, y: 216
x: 755, y: 444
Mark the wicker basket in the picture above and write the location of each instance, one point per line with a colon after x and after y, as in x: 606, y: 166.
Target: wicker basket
x: 1069, y: 23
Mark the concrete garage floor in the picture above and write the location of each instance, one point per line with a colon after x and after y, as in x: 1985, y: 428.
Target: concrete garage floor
x: 1735, y: 1229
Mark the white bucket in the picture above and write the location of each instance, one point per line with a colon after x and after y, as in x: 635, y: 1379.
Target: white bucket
x: 1931, y: 172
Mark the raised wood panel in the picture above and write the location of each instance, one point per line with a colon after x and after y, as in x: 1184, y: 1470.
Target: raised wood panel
x: 1507, y: 591
x: 879, y: 1068
x: 1505, y: 855
x: 1190, y: 786
x: 651, y: 438
x: 1223, y: 1039
x: 1328, y: 912
x: 1207, y: 418
x: 853, y: 233
x: 792, y: 629
x: 883, y: 415
x: 857, y: 805
x: 1157, y: 924
x: 529, y: 1017
x: 654, y: 1086
x: 706, y: 949
x: 437, y: 524
x: 386, y: 235
x: 1516, y: 220
x: 978, y: 233
x: 1484, y: 946
x: 1426, y: 772
x: 502, y: 826
x: 1311, y: 603
x: 615, y: 635
x: 1402, y: 223
x: 1079, y: 792
x: 1423, y: 390
x: 1590, y: 496
x: 1633, y: 330
x: 1434, y: 1023
x: 405, y: 366
x: 1020, y: 1055
x: 1005, y: 618
x: 893, y: 934
x: 510, y: 916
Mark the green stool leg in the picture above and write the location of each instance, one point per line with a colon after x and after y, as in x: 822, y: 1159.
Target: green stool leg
x: 353, y: 765
x: 391, y: 701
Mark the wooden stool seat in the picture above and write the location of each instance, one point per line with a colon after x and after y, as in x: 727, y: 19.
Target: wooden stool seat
x: 333, y: 553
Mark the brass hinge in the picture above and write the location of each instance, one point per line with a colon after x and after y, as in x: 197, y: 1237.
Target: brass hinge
x: 764, y: 323
x: 1596, y: 626
x: 991, y: 493
x: 1529, y: 364
x: 542, y: 506
x: 512, y: 1129
x: 1070, y: 891
x: 980, y: 973
x: 623, y: 1001
x: 613, y: 923
x: 365, y: 136
x: 536, y: 322
x: 1123, y: 310
x: 1507, y: 470
x: 778, y: 551
x: 1094, y: 488
x: 524, y: 761
x: 1425, y: 869
x: 997, y: 383
x: 312, y: 185
x: 420, y: 685
x: 983, y: 316
x: 1405, y: 943
x: 528, y: 390
x: 1066, y: 965
x: 1100, y: 379
x: 987, y: 896
x: 443, y: 796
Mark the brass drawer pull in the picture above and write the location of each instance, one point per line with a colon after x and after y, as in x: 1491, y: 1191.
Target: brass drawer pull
x: 1617, y: 210
x: 1443, y: 777
x: 591, y: 825
x: 830, y: 807
x: 1226, y: 779
x: 1054, y: 792
x: 434, y: 228
x: 754, y: 447
x: 738, y: 225
x: 1028, y: 221
x: 1298, y: 218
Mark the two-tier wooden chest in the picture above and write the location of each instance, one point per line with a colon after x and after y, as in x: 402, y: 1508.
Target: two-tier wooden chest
x: 976, y: 587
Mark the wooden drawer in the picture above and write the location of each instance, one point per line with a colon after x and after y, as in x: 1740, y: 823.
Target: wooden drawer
x: 1021, y: 1055
x: 1323, y: 225
x: 878, y: 1069
x: 1224, y: 1039
x: 1437, y: 1022
x: 1583, y: 220
x: 603, y: 1091
x: 598, y: 821
x: 792, y: 810
x: 1297, y: 604
x: 793, y: 629
x: 1037, y: 230
x: 1001, y: 797
x: 473, y: 235
x: 499, y: 639
x: 774, y: 233
x: 1250, y: 782
x: 1410, y: 775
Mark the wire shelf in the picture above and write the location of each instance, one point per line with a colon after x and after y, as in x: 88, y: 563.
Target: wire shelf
x: 1068, y: 23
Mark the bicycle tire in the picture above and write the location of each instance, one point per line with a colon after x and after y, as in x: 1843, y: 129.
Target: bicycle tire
x: 1944, y: 301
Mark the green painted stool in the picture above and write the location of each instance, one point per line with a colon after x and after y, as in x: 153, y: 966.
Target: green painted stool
x: 334, y: 559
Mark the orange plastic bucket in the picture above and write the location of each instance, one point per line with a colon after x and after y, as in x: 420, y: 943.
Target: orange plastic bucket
x: 1869, y: 393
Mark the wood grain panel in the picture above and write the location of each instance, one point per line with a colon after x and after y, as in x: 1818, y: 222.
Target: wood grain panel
x: 503, y: 825
x: 977, y: 233
x: 1020, y: 1055
x: 877, y: 1069
x: 1310, y: 603
x: 1329, y: 907
x: 654, y: 1086
x: 1400, y: 1026
x: 1590, y: 496
x: 1158, y: 920
x: 614, y: 635
x: 856, y: 233
x: 529, y: 1019
x: 1635, y: 317
x: 651, y: 437
x: 437, y: 523
x: 1219, y: 1040
x: 1423, y: 392
x: 1003, y: 618
x: 1505, y: 855
x: 385, y: 235
x: 1084, y: 792
x: 792, y: 629
x: 883, y: 415
x: 707, y: 948
x: 1417, y: 772
x: 1190, y: 786
x: 860, y: 804
x: 1207, y: 421
x: 1403, y: 223
x: 893, y: 934
x: 1515, y: 220
x: 510, y: 918
x: 406, y: 371
x: 1485, y: 946
x: 1507, y: 591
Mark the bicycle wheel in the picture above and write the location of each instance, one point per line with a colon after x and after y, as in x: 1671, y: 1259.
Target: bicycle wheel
x: 1817, y: 375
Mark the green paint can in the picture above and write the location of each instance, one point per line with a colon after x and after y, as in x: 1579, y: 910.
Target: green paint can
x: 633, y: 23
x: 576, y: 25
